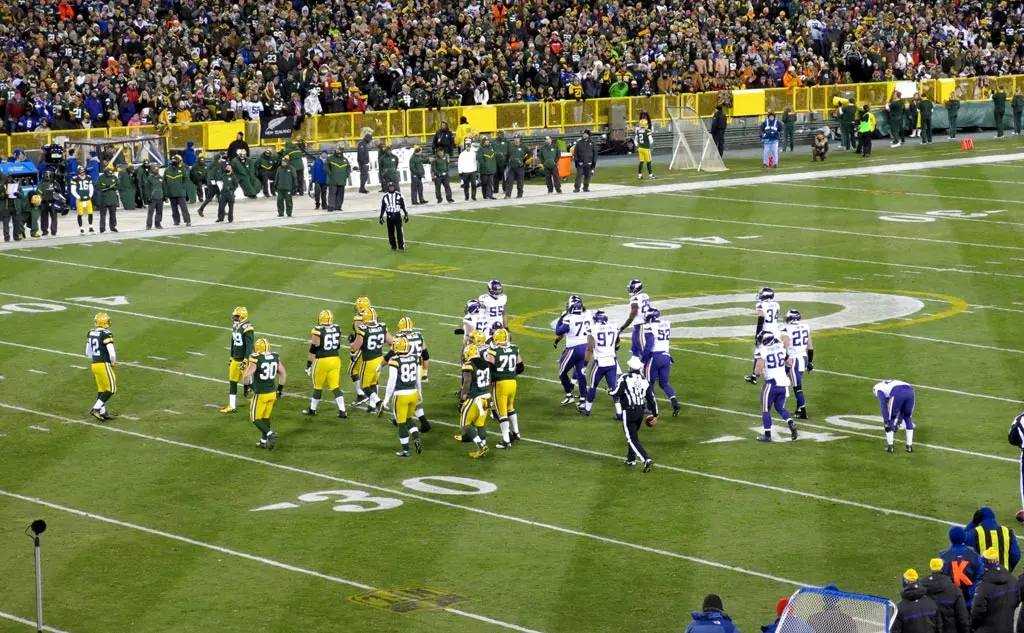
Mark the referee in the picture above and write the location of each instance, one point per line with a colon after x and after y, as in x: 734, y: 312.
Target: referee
x: 393, y: 205
x: 1016, y: 438
x: 634, y: 394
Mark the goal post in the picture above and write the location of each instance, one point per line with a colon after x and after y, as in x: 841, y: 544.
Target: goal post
x: 828, y: 610
x: 693, y: 148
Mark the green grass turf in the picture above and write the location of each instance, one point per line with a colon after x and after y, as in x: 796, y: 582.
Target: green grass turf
x: 571, y: 540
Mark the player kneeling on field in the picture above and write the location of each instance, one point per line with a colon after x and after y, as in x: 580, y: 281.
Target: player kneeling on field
x: 819, y: 147
x: 403, y: 392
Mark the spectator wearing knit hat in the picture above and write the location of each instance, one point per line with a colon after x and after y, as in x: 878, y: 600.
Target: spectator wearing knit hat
x: 962, y: 564
x: 793, y: 622
x: 916, y: 612
x: 948, y: 598
x: 711, y: 618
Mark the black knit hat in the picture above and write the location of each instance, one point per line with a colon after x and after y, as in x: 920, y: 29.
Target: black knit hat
x: 712, y: 601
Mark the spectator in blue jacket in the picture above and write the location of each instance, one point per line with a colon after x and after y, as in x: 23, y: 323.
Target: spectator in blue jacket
x: 962, y: 564
x: 711, y: 618
x: 319, y: 178
x: 984, y: 532
x: 771, y: 131
x: 189, y: 155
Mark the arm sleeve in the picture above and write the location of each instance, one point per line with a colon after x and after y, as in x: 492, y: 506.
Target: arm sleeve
x: 401, y: 203
x: 810, y: 355
x: 652, y: 402
x: 760, y: 324
x: 562, y: 328
x: 113, y: 358
x: 978, y: 609
x: 883, y: 401
x: 382, y: 207
x: 88, y: 351
x: 250, y: 340
x: 616, y: 391
x: 392, y: 380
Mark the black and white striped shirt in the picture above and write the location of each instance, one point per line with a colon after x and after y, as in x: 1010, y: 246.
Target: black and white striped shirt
x: 634, y: 392
x: 392, y: 204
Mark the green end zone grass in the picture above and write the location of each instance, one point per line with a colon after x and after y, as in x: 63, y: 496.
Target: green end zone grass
x: 567, y: 538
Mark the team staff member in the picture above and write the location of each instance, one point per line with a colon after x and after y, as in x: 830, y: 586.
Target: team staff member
x: 865, y: 129
x: 584, y: 154
x: 266, y: 167
x: 108, y: 200
x: 403, y: 392
x: 153, y: 193
x: 363, y: 161
x: 393, y: 206
x: 324, y: 362
x: 285, y: 180
x: 488, y: 167
x: 370, y: 339
x: 441, y: 167
x: 263, y: 370
x: 83, y: 189
x: 508, y: 364
x: 174, y: 189
x: 211, y: 176
x: 226, y: 194
x: 99, y: 349
x: 416, y: 173
x: 242, y: 345
x: 962, y: 564
x: 52, y: 198
x: 634, y: 394
x: 318, y: 181
x: 338, y: 170
x: 549, y: 154
x: 984, y: 532
x: 515, y: 170
x: 997, y: 597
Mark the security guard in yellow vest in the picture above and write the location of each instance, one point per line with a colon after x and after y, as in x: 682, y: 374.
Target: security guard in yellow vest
x: 984, y: 532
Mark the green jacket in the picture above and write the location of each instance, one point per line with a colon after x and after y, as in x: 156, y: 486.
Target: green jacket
x: 999, y: 101
x: 246, y: 176
x: 388, y: 165
x: 285, y: 178
x: 338, y: 169
x: 266, y: 166
x: 229, y: 182
x: 501, y: 152
x: 174, y: 182
x: 1018, y: 103
x: 154, y: 187
x: 549, y: 157
x: 925, y: 107
x: 895, y: 108
x: 293, y: 153
x: 127, y: 188
x: 416, y: 165
x: 440, y: 166
x: 107, y: 190
x: 141, y: 175
x: 488, y: 158
x: 199, y: 173
x: 516, y: 155
x: 789, y: 119
x: 953, y: 106
x: 848, y: 113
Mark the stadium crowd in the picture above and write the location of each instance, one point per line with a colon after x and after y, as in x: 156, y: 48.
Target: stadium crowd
x: 83, y: 63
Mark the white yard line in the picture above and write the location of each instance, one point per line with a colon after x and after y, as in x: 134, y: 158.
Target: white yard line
x: 40, y: 428
x: 408, y: 495
x: 173, y: 412
x: 243, y: 555
x: 27, y: 622
x: 196, y: 354
x: 37, y: 371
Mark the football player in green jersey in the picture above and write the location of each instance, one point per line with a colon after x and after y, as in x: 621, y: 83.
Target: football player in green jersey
x: 242, y: 337
x: 475, y: 399
x: 99, y: 349
x: 324, y: 362
x: 508, y: 364
x: 266, y: 373
x: 644, y: 138
x: 417, y: 347
x: 403, y: 392
x: 371, y: 338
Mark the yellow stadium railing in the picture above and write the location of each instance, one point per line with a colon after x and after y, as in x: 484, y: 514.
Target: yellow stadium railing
x: 525, y: 118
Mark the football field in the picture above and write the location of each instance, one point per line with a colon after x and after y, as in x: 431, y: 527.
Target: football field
x: 169, y: 518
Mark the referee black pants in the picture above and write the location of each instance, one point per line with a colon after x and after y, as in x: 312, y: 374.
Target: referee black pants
x: 632, y: 418
x: 396, y: 236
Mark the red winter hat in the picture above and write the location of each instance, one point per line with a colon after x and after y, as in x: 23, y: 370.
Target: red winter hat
x: 780, y: 606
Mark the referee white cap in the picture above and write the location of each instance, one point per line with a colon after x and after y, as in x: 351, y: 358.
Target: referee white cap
x: 634, y: 364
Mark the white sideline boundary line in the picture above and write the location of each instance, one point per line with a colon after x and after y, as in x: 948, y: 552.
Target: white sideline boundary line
x: 235, y: 553
x: 27, y: 622
x: 611, y: 191
x: 410, y: 495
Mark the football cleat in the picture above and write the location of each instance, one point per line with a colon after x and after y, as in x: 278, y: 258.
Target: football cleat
x: 402, y: 454
x: 567, y: 400
x: 888, y: 448
x: 752, y: 379
x: 271, y: 440
x: 262, y: 444
x: 764, y: 438
x: 515, y: 437
x: 910, y: 449
x: 629, y: 462
x: 417, y: 442
x: 96, y: 414
x: 583, y: 410
x: 648, y: 465
x: 675, y: 409
x: 503, y: 445
x: 360, y: 401
x: 802, y: 413
x: 228, y: 410
x: 343, y: 414
x: 458, y: 437
x: 480, y: 452
x: 309, y: 412
x: 107, y: 417
x: 792, y: 430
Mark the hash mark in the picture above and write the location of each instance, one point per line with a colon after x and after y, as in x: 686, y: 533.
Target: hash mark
x: 822, y: 281
x: 79, y: 367
x: 882, y: 275
x: 995, y: 263
x: 855, y: 278
x: 130, y: 417
x: 38, y: 371
x: 40, y: 428
x: 911, y: 272
x: 211, y: 406
x: 87, y: 245
x: 173, y: 412
x: 157, y: 358
x: 171, y: 237
x: 197, y: 353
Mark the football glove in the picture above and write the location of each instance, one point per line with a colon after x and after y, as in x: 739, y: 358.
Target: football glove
x: 280, y: 390
x: 382, y: 221
x: 810, y: 367
x: 555, y: 343
x: 406, y: 218
x: 246, y: 389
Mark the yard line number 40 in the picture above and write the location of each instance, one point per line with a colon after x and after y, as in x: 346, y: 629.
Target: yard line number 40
x: 362, y: 501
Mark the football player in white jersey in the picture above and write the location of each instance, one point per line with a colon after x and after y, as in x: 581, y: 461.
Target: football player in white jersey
x: 602, y: 344
x: 770, y: 361
x: 475, y: 319
x: 768, y: 320
x: 493, y: 303
x: 575, y: 327
x: 639, y: 306
x: 656, y: 358
x: 797, y: 338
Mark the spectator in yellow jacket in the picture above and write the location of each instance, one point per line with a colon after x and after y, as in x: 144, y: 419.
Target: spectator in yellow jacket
x: 463, y: 132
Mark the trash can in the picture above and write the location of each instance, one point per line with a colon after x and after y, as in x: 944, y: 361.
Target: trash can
x: 565, y: 165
